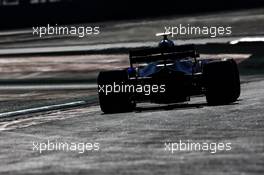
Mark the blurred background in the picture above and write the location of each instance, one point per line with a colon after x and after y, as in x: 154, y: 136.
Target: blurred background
x: 24, y: 13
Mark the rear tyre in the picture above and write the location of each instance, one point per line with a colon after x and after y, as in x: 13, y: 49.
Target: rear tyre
x: 114, y: 102
x: 222, y: 83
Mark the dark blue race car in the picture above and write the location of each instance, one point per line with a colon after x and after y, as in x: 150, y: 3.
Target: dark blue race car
x: 168, y: 74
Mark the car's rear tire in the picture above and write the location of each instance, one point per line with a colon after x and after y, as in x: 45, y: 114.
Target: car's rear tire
x: 222, y: 82
x: 114, y: 102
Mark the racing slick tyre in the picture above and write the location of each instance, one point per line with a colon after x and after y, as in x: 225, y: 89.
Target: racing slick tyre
x: 113, y: 102
x: 222, y: 82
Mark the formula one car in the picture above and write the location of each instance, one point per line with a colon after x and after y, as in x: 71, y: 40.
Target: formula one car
x: 168, y: 74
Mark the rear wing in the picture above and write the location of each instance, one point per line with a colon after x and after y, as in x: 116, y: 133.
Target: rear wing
x: 162, y: 54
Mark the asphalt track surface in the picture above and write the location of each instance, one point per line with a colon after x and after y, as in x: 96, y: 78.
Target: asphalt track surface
x: 133, y: 143
x: 130, y: 143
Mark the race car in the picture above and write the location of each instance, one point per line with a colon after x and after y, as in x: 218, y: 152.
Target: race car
x: 168, y: 74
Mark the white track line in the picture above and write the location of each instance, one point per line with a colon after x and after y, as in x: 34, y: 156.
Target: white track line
x: 41, y: 109
x: 49, y: 87
x: 98, y: 47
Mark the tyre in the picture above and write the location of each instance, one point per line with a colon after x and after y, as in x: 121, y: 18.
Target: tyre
x: 222, y: 82
x: 114, y: 102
